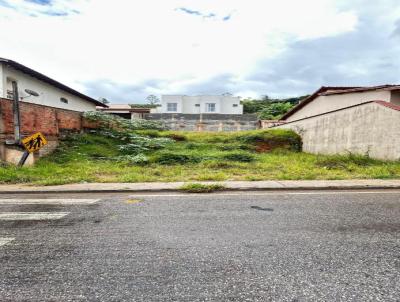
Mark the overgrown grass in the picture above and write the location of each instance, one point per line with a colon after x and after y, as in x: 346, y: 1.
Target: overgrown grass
x: 191, y: 156
x: 201, y: 188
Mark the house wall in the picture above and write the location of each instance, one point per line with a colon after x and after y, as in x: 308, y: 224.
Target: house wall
x: 327, y: 103
x: 48, y: 94
x: 2, y: 81
x: 367, y: 128
x: 187, y: 104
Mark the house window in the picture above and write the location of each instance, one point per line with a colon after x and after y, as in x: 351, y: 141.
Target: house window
x: 235, y: 105
x: 10, y: 92
x: 172, y: 107
x: 197, y: 105
x: 64, y: 100
x: 210, y: 107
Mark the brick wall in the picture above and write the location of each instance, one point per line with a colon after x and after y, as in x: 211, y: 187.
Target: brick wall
x: 48, y: 120
x: 52, y: 122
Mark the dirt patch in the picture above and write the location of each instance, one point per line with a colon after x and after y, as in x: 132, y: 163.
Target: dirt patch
x: 263, y: 147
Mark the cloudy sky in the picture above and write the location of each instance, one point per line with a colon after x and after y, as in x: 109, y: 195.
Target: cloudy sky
x: 124, y: 50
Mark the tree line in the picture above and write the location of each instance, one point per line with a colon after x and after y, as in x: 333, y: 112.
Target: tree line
x: 270, y: 109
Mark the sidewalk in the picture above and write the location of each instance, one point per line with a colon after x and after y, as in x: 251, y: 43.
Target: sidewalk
x: 230, y: 185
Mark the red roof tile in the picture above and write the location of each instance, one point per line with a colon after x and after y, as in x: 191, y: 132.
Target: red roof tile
x: 336, y: 90
x: 389, y: 105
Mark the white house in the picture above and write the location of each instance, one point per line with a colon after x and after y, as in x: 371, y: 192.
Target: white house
x: 50, y: 92
x: 217, y: 104
x: 126, y: 111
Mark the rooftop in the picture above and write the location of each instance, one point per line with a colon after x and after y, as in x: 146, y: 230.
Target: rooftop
x: 330, y: 90
x: 48, y: 80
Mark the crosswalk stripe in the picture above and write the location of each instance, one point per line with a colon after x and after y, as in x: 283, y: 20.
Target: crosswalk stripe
x: 4, y: 241
x: 49, y: 201
x: 12, y: 216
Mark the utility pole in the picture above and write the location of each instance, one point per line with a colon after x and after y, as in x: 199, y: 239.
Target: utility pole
x: 17, y: 119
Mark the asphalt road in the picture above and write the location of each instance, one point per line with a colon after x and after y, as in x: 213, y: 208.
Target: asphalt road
x: 294, y: 246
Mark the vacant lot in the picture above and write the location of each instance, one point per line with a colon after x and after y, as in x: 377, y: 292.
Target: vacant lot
x: 153, y: 155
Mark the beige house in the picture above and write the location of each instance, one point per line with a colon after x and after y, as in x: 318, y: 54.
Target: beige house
x: 125, y: 111
x: 327, y: 99
x: 338, y: 120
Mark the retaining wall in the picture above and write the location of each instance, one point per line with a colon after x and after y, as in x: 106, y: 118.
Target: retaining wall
x: 372, y: 128
x: 206, y: 122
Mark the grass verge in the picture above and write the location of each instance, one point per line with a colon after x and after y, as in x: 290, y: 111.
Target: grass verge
x: 201, y: 188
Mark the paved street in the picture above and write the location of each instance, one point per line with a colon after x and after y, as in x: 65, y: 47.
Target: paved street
x: 293, y: 246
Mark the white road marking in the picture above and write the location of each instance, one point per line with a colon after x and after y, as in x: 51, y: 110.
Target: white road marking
x: 266, y: 193
x: 49, y: 201
x: 14, y: 216
x: 4, y: 241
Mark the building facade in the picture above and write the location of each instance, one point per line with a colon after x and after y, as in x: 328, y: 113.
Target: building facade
x: 49, y: 92
x: 342, y: 120
x: 328, y: 99
x: 212, y: 104
x: 126, y: 111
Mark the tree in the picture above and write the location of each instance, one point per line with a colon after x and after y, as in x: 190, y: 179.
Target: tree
x: 265, y: 97
x: 275, y: 111
x: 152, y: 99
x: 104, y: 101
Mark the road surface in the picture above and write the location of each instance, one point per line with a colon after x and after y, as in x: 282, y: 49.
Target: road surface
x: 272, y: 246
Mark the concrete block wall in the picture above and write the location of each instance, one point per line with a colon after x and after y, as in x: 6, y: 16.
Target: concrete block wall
x: 206, y: 122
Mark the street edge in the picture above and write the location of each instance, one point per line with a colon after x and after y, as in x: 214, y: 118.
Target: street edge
x: 227, y: 189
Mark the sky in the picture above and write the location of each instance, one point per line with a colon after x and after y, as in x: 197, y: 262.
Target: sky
x: 125, y: 50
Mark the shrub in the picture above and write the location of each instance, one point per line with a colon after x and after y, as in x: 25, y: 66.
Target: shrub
x: 177, y: 137
x: 151, y: 133
x: 108, y: 121
x: 201, y: 188
x: 139, y: 144
x: 139, y: 159
x: 168, y: 158
x: 272, y: 139
x: 233, y: 147
x: 239, y: 156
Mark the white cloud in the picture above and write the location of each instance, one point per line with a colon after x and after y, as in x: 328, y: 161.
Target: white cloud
x: 133, y: 41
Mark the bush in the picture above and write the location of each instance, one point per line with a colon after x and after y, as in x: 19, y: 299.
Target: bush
x: 139, y: 159
x: 274, y: 138
x: 139, y: 144
x: 151, y: 133
x: 177, y: 137
x: 233, y: 147
x: 174, y: 158
x: 239, y: 156
x: 108, y: 121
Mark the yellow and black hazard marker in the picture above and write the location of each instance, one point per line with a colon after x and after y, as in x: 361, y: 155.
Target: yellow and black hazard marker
x: 34, y: 142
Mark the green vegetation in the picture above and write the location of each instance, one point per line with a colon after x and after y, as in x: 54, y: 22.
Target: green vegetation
x: 201, y: 188
x: 136, y: 152
x: 270, y: 109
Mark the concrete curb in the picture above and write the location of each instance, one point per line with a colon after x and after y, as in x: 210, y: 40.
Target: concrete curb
x: 374, y: 184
